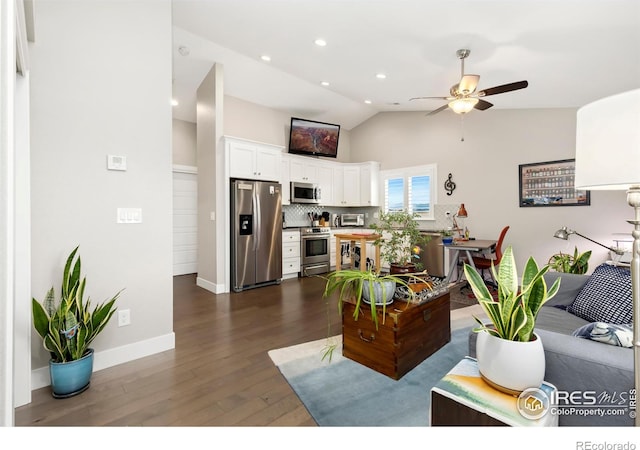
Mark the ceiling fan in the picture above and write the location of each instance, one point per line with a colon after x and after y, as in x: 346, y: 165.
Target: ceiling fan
x: 464, y: 97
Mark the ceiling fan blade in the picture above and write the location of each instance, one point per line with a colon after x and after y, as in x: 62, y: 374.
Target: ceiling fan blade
x: 468, y: 84
x: 436, y: 111
x: 429, y: 98
x: 482, y: 105
x: 504, y: 88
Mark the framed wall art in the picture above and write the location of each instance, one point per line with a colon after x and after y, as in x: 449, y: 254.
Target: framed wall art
x: 551, y: 183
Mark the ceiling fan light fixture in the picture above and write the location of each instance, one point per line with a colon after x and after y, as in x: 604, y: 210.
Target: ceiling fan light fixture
x: 463, y: 105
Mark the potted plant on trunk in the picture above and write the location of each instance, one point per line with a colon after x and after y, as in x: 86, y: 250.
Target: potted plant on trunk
x: 68, y: 327
x: 400, y: 240
x: 509, y: 352
x: 374, y: 289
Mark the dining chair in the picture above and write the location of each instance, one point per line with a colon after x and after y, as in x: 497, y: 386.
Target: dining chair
x: 484, y: 263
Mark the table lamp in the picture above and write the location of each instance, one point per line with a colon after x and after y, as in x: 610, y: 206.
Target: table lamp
x: 608, y: 158
x: 564, y: 233
x: 462, y: 213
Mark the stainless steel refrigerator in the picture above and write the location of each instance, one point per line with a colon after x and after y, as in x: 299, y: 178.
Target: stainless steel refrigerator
x: 256, y: 233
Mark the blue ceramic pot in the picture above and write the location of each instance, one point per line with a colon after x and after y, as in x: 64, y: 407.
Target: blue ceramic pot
x: 447, y: 240
x: 72, y: 377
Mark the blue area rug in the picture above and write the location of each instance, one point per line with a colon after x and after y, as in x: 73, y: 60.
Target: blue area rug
x: 345, y: 393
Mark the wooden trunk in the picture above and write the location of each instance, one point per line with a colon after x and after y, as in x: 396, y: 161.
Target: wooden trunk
x: 410, y: 333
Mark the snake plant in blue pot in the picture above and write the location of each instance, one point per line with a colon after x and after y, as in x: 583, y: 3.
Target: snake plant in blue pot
x: 68, y: 327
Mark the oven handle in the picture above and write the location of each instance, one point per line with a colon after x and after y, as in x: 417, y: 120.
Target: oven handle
x: 313, y: 236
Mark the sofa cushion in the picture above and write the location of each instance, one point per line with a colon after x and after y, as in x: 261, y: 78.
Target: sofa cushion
x: 605, y: 297
x: 558, y: 320
x: 607, y: 333
x: 570, y: 286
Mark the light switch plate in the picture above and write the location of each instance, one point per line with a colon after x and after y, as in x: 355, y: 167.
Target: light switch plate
x: 129, y: 215
x: 115, y: 162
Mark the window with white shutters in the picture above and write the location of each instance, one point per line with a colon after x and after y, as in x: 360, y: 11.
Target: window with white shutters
x: 412, y: 189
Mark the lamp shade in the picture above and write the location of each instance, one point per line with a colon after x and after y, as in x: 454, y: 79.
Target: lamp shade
x: 463, y: 105
x: 563, y: 233
x: 462, y: 211
x: 608, y: 143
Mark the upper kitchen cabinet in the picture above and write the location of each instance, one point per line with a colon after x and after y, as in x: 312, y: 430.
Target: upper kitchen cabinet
x: 253, y: 160
x: 303, y: 169
x: 285, y: 181
x: 369, y: 184
x: 346, y: 185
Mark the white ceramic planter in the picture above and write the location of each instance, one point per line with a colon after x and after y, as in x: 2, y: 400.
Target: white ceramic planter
x: 510, y: 366
x: 378, y: 291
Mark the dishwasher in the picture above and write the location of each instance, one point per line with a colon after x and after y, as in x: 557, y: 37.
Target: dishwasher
x: 432, y: 256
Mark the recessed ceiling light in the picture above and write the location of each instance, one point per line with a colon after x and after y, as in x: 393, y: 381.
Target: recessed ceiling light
x: 320, y: 42
x: 324, y: 83
x: 174, y: 102
x: 381, y: 76
x: 266, y: 58
x: 368, y: 102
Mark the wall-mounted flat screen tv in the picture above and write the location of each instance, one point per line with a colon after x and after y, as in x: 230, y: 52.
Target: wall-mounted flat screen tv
x: 308, y: 137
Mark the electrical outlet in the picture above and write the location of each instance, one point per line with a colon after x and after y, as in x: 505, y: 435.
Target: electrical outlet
x: 124, y: 317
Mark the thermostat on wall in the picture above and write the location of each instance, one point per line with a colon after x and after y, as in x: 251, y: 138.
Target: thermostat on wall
x: 115, y: 162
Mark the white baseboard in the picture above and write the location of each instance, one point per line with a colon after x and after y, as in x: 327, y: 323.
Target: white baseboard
x: 114, y: 356
x: 209, y: 286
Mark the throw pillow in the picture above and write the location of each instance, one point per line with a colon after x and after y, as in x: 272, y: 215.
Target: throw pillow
x: 605, y: 297
x: 607, y: 333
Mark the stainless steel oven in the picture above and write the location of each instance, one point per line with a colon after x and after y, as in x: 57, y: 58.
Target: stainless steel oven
x: 314, y: 251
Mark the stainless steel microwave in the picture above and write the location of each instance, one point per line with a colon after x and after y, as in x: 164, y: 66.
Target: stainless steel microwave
x: 305, y: 193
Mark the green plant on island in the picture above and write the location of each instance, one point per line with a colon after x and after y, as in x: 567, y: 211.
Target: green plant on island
x: 400, y: 238
x: 514, y: 313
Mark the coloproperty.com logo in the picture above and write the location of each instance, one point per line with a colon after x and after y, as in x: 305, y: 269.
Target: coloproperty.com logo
x: 535, y: 403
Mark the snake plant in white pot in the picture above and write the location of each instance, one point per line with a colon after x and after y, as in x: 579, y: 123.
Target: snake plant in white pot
x: 510, y: 354
x: 68, y: 328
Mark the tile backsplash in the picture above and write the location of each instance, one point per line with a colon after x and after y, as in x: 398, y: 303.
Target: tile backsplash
x: 296, y: 215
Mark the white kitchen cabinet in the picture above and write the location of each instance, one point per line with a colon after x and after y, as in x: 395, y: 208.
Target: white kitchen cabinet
x: 285, y: 180
x: 254, y: 161
x: 346, y: 185
x: 303, y: 169
x: 325, y: 181
x: 290, y: 253
x: 369, y: 184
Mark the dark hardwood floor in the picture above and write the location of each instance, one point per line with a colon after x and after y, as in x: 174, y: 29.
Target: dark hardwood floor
x: 219, y: 373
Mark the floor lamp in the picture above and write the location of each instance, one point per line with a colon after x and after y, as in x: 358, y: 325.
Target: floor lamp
x: 564, y: 233
x: 608, y: 158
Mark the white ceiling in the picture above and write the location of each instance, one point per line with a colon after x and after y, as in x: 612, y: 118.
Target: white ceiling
x: 571, y: 52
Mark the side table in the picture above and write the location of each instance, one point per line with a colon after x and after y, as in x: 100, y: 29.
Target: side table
x: 463, y: 398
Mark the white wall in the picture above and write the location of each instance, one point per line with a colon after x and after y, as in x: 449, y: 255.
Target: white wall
x: 184, y: 143
x: 258, y: 123
x: 485, y: 170
x: 7, y: 207
x: 101, y: 84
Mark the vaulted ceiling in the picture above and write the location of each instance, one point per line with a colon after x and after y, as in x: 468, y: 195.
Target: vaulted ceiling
x: 570, y: 51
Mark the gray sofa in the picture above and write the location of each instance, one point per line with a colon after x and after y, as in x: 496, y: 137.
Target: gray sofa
x: 577, y: 364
